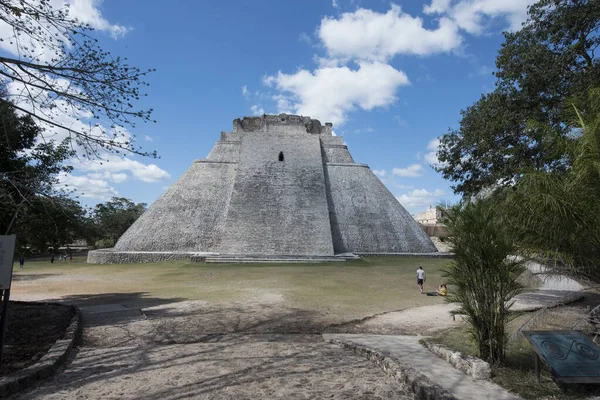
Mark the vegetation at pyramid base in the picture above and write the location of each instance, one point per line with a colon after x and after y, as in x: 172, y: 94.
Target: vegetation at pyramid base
x: 483, y: 278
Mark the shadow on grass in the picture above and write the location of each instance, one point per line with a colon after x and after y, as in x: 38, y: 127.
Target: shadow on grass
x: 33, y: 277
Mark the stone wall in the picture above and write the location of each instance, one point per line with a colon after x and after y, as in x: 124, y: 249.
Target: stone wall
x: 278, y: 207
x: 366, y: 217
x: 187, y: 215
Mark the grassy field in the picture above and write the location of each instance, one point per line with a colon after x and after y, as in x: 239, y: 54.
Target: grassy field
x: 353, y: 289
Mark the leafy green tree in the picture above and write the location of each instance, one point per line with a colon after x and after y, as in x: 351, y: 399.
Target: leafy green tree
x: 114, y: 217
x: 483, y: 278
x: 522, y: 124
x: 558, y: 213
x: 49, y: 222
x: 28, y: 166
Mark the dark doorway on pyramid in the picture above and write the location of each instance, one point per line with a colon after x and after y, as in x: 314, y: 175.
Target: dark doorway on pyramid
x: 281, y: 156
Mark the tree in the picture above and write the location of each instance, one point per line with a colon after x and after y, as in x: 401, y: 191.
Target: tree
x: 557, y: 214
x: 60, y: 69
x: 114, y: 217
x: 49, y: 222
x: 483, y: 278
x: 28, y: 167
x: 522, y: 124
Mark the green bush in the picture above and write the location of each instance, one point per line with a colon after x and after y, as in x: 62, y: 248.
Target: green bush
x: 483, y: 275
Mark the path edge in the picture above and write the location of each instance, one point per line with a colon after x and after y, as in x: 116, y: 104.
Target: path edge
x: 472, y: 366
x: 47, y: 365
x: 408, y: 377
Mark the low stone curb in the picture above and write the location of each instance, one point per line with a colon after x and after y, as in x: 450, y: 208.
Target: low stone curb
x: 48, y: 364
x: 473, y: 366
x: 408, y: 377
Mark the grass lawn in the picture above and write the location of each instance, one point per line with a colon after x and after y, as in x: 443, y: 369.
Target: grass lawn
x: 350, y: 290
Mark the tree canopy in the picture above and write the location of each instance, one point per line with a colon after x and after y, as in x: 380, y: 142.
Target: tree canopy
x: 523, y: 124
x: 28, y: 166
x: 59, y: 69
x: 114, y: 217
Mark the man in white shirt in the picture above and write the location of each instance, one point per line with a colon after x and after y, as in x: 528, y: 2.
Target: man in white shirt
x: 420, y: 278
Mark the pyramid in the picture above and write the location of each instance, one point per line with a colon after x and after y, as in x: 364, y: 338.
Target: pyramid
x: 275, y: 186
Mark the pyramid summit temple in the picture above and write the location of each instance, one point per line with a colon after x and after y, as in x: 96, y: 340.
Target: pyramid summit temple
x: 275, y: 187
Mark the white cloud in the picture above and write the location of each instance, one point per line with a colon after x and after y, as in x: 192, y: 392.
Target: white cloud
x: 257, y: 110
x: 380, y: 172
x: 431, y: 156
x: 369, y: 35
x: 87, y: 11
x: 87, y: 187
x: 330, y: 93
x: 117, y: 165
x: 148, y: 138
x: 412, y: 171
x: 245, y: 91
x: 334, y: 3
x: 418, y: 199
x: 119, y: 178
x: 437, y: 7
x: 473, y: 15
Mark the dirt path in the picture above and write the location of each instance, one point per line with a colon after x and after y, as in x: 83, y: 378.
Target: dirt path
x: 159, y: 349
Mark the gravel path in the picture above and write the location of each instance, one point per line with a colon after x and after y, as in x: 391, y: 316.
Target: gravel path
x: 193, y: 349
x: 234, y: 367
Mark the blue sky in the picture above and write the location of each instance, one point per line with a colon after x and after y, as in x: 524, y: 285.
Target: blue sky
x: 390, y: 76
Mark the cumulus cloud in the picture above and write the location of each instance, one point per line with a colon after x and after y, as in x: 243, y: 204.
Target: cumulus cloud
x: 118, y: 165
x: 420, y: 198
x: 148, y: 138
x: 88, y: 12
x: 412, y: 171
x: 431, y: 156
x: 330, y: 93
x: 437, y: 7
x: 354, y: 72
x: 369, y: 35
x: 88, y: 187
x: 380, y: 172
x: 473, y: 15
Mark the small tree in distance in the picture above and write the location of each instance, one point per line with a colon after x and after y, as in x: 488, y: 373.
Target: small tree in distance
x: 483, y: 275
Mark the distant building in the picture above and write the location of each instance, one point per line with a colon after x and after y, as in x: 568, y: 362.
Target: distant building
x: 431, y: 216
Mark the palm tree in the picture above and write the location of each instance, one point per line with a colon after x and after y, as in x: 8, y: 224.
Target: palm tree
x: 483, y: 275
x: 558, y: 213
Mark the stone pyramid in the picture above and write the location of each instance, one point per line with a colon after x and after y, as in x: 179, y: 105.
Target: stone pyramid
x: 277, y: 185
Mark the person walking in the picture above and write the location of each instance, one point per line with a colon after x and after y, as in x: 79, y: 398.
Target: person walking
x: 22, y: 261
x: 52, y: 259
x: 420, y: 278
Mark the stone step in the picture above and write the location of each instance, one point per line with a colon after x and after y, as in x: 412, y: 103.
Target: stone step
x: 249, y: 260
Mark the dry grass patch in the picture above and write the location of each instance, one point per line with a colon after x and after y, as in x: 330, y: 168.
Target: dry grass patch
x: 340, y: 291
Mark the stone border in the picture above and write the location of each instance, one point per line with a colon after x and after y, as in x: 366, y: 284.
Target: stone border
x: 437, y: 254
x: 405, y: 375
x: 473, y: 366
x: 48, y: 364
